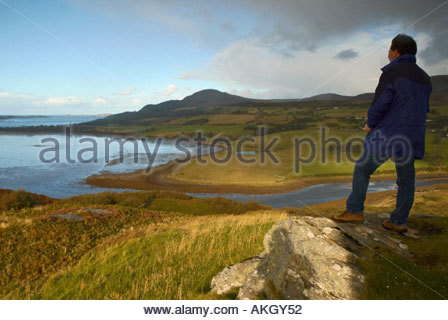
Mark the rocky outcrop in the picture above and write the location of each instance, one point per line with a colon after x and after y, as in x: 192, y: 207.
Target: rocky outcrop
x: 308, y: 258
x: 81, y: 214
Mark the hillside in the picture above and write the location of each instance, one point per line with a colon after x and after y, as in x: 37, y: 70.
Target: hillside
x: 203, y: 98
x: 439, y: 95
x: 337, y: 97
x: 169, y: 245
x: 211, y: 97
x: 219, y: 113
x: 439, y: 84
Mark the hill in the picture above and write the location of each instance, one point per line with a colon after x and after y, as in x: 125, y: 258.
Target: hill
x: 439, y: 84
x: 200, y: 102
x: 338, y: 97
x: 439, y: 95
x: 169, y: 245
x: 220, y: 113
x: 200, y: 99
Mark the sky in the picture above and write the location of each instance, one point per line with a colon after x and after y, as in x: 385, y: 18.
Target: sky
x: 110, y: 56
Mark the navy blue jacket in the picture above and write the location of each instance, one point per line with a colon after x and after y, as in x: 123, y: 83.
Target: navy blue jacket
x: 397, y: 115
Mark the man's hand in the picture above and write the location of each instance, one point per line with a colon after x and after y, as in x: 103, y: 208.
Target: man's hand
x: 367, y: 128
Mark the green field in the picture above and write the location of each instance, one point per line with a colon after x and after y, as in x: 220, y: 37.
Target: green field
x: 290, y: 168
x: 343, y: 120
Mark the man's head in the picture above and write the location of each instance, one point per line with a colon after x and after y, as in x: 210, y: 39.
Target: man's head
x: 402, y: 44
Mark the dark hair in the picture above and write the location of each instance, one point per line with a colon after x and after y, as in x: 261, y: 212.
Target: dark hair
x: 404, y: 44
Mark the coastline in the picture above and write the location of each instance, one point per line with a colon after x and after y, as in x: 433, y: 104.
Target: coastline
x: 159, y: 179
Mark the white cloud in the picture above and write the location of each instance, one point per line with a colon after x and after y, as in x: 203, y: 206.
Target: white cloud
x: 100, y: 100
x: 127, y: 91
x: 28, y: 103
x: 171, y: 89
x: 136, y: 102
x: 262, y: 73
x: 59, y: 101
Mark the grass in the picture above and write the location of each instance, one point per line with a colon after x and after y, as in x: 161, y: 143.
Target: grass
x: 33, y: 246
x: 389, y: 276
x: 165, y: 201
x: 177, y: 263
x: 344, y: 119
x: 423, y: 277
x: 168, y: 245
x: 173, y: 253
x: 169, y: 131
x: 271, y: 173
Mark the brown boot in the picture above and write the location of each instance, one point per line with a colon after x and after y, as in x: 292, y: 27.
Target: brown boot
x: 349, y: 217
x: 390, y: 226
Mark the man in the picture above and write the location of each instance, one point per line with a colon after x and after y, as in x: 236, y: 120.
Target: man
x: 396, y: 126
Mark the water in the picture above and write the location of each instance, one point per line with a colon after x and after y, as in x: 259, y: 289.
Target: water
x: 316, y: 194
x: 52, y: 120
x: 21, y: 166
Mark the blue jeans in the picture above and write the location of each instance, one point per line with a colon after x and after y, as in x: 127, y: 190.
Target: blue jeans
x: 365, y: 166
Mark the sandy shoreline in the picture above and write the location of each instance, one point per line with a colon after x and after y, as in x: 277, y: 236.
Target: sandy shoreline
x: 159, y: 179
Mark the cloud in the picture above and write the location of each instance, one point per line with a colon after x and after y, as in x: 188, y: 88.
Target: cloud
x: 127, y: 91
x: 267, y: 49
x: 291, y: 25
x: 260, y: 94
x: 298, y: 25
x: 29, y: 103
x: 170, y: 90
x: 286, y: 65
x: 136, y: 102
x: 227, y: 26
x: 205, y: 23
x: 100, y: 100
x: 59, y: 101
x: 346, y: 54
x: 269, y: 74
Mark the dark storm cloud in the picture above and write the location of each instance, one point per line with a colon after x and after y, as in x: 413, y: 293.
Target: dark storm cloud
x: 346, y: 54
x: 288, y: 26
x: 300, y: 24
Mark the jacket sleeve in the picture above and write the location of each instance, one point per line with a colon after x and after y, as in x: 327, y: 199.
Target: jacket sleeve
x: 384, y: 95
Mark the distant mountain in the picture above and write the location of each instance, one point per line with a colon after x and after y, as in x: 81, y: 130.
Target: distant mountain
x: 439, y: 95
x: 439, y: 84
x: 203, y: 98
x: 193, y: 105
x: 338, y: 97
x: 439, y: 89
x: 211, y: 97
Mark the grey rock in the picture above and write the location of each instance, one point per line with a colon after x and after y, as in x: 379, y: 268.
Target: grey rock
x: 66, y: 216
x: 307, y: 258
x: 98, y: 211
x: 234, y: 276
x: 302, y: 267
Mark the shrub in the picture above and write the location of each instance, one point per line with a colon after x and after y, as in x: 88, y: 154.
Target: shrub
x: 18, y: 200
